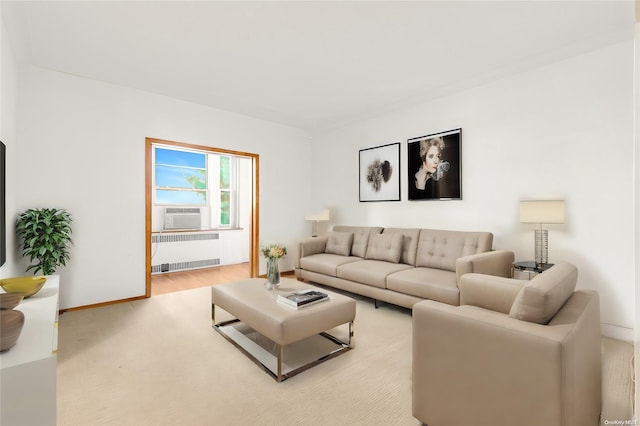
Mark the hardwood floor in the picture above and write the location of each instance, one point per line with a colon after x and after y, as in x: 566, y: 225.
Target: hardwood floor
x: 186, y: 280
x: 205, y: 277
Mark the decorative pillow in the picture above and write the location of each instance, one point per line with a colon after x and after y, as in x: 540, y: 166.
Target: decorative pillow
x: 360, y: 242
x: 339, y: 243
x: 542, y: 297
x: 387, y: 247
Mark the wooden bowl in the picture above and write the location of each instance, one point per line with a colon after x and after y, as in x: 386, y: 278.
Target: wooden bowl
x: 28, y: 286
x: 11, y: 322
x: 10, y: 300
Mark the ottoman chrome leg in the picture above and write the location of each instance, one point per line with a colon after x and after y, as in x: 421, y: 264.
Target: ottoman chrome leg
x: 351, y: 331
x: 279, y: 361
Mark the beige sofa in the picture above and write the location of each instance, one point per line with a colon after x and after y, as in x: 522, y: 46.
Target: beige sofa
x: 514, y: 352
x: 401, y: 266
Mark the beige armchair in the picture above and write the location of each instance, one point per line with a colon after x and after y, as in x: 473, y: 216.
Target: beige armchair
x: 514, y: 352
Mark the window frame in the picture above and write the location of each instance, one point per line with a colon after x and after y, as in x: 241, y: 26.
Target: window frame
x: 254, y: 204
x: 213, y: 191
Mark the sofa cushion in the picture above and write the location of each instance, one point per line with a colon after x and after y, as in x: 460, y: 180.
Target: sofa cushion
x: 370, y: 272
x: 427, y: 283
x: 542, y: 297
x: 339, y: 243
x: 409, y: 243
x: 360, y: 237
x: 440, y: 249
x: 326, y: 263
x: 387, y: 247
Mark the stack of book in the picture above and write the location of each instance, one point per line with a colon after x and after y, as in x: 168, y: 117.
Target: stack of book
x: 300, y: 299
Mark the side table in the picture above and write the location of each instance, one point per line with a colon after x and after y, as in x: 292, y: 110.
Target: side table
x: 527, y: 270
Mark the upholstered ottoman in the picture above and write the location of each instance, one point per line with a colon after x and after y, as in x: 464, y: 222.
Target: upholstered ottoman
x: 256, y: 307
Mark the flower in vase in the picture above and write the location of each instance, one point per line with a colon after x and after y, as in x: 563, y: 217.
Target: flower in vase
x: 274, y: 251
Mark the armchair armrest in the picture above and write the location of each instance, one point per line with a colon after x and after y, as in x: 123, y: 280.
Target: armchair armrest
x: 310, y: 246
x: 489, y: 292
x: 496, y: 262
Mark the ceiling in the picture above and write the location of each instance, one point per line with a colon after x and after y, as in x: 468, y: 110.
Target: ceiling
x: 312, y: 65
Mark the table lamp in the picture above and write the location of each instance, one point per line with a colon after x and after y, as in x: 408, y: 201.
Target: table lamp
x: 542, y: 212
x: 316, y: 218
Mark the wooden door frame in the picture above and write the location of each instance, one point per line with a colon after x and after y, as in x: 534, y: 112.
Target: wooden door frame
x: 255, y: 205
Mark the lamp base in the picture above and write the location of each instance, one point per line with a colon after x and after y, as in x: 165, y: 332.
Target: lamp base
x: 319, y: 228
x: 542, y: 247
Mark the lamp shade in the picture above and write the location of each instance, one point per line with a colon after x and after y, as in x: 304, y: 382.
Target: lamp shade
x: 321, y: 216
x: 542, y: 211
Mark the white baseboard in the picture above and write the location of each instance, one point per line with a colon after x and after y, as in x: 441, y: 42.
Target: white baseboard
x: 617, y: 332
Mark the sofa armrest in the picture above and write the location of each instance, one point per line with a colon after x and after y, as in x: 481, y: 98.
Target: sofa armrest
x: 489, y: 292
x: 496, y: 262
x: 310, y: 246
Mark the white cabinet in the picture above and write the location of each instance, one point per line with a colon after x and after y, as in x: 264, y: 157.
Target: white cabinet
x: 28, y: 370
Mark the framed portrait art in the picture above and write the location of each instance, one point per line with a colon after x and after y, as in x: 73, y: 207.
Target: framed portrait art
x: 435, y: 166
x: 380, y: 173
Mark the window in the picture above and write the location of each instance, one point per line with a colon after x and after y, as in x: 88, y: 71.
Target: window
x: 197, y: 178
x: 180, y: 177
x: 225, y: 190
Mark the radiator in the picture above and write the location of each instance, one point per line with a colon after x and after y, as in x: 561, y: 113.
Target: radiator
x: 183, y: 251
x: 183, y: 266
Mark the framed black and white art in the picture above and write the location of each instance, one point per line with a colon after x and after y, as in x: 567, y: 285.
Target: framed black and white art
x: 380, y: 173
x: 435, y: 166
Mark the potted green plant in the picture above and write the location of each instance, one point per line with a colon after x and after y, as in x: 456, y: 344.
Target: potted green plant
x: 45, y: 236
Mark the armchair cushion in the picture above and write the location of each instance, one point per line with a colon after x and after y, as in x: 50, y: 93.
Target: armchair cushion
x: 542, y: 297
x: 339, y: 243
x: 386, y: 247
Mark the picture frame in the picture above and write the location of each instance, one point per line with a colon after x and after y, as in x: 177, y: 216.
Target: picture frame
x: 379, y: 173
x: 435, y: 166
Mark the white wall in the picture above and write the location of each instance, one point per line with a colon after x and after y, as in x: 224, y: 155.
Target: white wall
x: 564, y: 130
x: 81, y: 147
x: 637, y: 210
x: 8, y: 94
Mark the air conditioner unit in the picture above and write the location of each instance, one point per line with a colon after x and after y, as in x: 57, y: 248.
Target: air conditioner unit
x: 182, y: 218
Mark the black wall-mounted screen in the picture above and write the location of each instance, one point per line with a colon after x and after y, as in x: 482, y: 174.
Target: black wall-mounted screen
x: 3, y: 204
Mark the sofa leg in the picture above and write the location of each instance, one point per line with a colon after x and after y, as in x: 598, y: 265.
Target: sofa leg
x: 375, y: 303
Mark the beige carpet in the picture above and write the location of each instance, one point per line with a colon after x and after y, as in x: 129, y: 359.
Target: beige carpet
x: 617, y: 377
x: 159, y: 362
